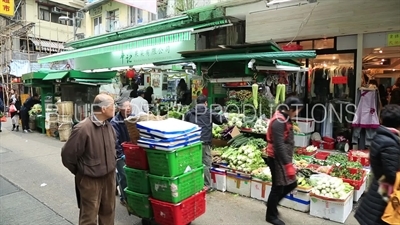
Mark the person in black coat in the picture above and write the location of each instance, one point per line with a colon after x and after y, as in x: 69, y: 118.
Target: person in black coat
x: 24, y: 112
x: 385, y: 162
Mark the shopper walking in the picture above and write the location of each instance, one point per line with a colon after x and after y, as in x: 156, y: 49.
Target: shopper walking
x: 385, y: 162
x: 15, y: 107
x: 204, y: 118
x: 24, y: 112
x: 122, y: 136
x: 90, y: 155
x: 280, y: 140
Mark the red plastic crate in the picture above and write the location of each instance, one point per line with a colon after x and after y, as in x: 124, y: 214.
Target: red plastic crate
x: 355, y: 183
x: 328, y: 139
x: 179, y: 214
x: 316, y: 144
x: 329, y: 145
x: 322, y: 155
x: 135, y: 156
x: 313, y: 167
x: 363, y: 160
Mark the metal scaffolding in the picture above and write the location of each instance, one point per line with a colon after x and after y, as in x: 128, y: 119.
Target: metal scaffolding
x: 15, y: 31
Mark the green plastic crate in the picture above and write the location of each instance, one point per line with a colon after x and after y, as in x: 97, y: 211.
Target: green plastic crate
x: 175, y: 163
x: 138, y: 204
x: 177, y: 189
x: 137, y: 180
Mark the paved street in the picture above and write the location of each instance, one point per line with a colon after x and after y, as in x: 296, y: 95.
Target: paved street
x: 36, y: 189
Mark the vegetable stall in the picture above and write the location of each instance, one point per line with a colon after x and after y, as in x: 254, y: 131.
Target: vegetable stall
x: 325, y: 177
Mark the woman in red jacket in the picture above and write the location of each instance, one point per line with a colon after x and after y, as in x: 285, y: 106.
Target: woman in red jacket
x: 280, y: 138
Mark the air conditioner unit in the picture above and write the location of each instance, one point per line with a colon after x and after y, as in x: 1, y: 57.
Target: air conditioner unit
x: 55, y: 10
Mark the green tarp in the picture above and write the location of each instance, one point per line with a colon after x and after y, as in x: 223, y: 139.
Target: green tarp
x: 264, y: 56
x: 56, y: 75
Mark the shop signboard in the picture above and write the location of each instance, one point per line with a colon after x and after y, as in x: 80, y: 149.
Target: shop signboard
x: 7, y: 8
x: 393, y: 39
x: 135, y: 57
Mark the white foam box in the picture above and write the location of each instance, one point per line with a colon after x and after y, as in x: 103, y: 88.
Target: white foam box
x: 238, y: 183
x: 218, y: 177
x: 358, y: 193
x: 260, y: 189
x: 302, y: 140
x: 337, y: 210
x: 306, y: 125
x: 298, y: 200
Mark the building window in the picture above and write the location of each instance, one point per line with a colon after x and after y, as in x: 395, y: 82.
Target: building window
x: 44, y: 13
x: 112, y: 20
x: 97, y: 25
x: 136, y: 16
x: 53, y: 14
x: 152, y: 17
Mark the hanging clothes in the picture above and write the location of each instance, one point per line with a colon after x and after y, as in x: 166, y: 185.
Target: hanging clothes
x: 367, y: 113
x: 366, y: 116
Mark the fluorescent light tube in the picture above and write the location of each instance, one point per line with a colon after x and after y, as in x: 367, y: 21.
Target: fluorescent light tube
x: 228, y: 80
x: 276, y: 2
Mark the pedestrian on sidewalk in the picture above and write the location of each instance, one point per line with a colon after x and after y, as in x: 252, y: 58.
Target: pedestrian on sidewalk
x: 89, y: 154
x: 280, y: 138
x: 204, y: 118
x: 15, y: 107
x: 122, y: 134
x: 1, y: 111
x: 385, y: 162
x: 24, y: 112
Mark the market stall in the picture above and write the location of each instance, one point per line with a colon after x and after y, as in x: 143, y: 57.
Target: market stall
x: 329, y: 182
x: 77, y: 91
x: 46, y: 91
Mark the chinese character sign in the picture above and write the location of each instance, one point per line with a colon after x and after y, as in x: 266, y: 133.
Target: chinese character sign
x: 393, y: 39
x: 7, y: 8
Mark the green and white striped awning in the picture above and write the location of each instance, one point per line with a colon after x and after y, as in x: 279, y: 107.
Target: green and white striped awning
x: 151, y: 40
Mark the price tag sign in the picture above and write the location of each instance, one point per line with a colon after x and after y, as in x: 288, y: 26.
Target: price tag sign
x: 393, y: 39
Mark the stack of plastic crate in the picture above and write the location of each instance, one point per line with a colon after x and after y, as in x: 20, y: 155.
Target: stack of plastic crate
x: 138, y: 191
x: 175, y: 172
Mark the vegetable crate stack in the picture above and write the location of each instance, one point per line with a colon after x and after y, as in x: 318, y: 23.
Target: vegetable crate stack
x: 138, y: 190
x: 176, y: 182
x: 305, y: 128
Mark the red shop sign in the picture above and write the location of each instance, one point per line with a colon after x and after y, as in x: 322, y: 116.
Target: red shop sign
x: 339, y: 80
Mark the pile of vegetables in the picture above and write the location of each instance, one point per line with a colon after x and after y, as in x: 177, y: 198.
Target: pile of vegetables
x: 263, y: 174
x: 346, y: 173
x: 337, y: 159
x: 222, y: 132
x: 235, y: 119
x: 216, y: 154
x: 178, y: 112
x: 260, y: 126
x: 331, y: 187
x: 303, y: 176
x: 245, y: 158
x: 36, y: 110
x: 242, y: 95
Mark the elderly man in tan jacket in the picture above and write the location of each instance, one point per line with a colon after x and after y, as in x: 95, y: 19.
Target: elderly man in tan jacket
x: 90, y: 155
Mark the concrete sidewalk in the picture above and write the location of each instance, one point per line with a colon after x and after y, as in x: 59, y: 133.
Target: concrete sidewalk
x: 17, y: 207
x: 29, y: 160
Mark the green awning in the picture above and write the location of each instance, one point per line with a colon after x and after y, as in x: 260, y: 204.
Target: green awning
x: 56, y: 75
x: 132, y: 43
x: 93, y: 81
x: 263, y: 56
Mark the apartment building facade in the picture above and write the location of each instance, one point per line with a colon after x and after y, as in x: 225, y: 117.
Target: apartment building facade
x: 39, y: 28
x: 105, y: 16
